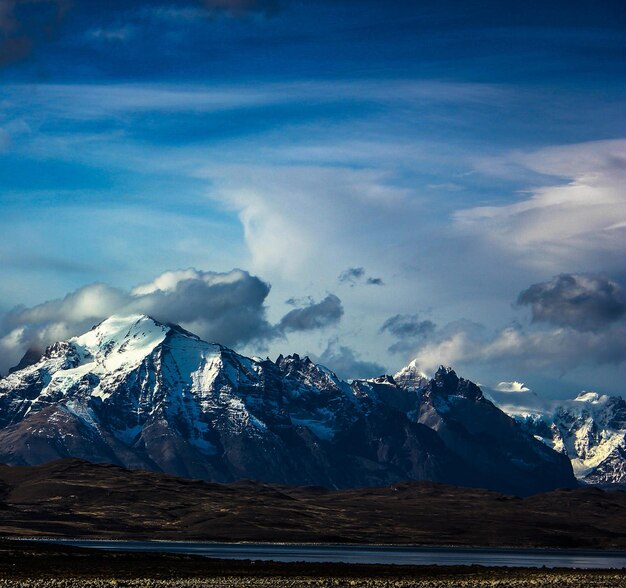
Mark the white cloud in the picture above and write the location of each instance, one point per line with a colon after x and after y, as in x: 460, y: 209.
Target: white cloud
x: 224, y: 307
x: 168, y: 282
x: 299, y: 218
x: 78, y: 101
x: 368, y: 190
x: 578, y: 218
x: 514, y: 387
x: 555, y: 350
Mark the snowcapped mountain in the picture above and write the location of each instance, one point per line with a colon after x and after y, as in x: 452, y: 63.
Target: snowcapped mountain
x: 142, y: 394
x: 590, y: 430
x: 410, y: 377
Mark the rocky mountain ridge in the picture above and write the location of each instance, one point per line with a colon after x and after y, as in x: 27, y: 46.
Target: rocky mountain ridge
x: 145, y: 395
x: 590, y: 430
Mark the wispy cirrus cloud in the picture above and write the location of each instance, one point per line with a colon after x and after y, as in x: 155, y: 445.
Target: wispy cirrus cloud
x: 579, y: 217
x: 24, y: 24
x: 110, y: 99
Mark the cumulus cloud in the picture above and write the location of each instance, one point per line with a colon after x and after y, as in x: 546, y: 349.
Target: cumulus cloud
x: 298, y: 217
x: 576, y: 322
x: 227, y: 308
x: 224, y: 307
x: 314, y: 316
x: 557, y: 349
x: 585, y: 303
x: 346, y: 363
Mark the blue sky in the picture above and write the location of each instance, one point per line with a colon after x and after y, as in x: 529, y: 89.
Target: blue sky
x: 399, y: 174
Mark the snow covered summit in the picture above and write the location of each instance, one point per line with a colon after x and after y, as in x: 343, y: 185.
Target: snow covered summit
x: 591, y: 431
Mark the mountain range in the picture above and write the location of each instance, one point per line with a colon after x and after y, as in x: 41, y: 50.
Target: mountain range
x: 590, y: 430
x: 142, y: 394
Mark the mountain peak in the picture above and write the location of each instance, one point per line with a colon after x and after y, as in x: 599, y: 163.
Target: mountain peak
x: 128, y: 321
x: 448, y: 383
x: 31, y: 357
x: 410, y: 377
x: 445, y: 377
x: 115, y: 343
x: 591, y: 397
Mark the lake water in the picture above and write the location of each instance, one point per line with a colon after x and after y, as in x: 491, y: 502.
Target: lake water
x: 374, y: 554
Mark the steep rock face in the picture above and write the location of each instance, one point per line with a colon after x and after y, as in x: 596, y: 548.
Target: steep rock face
x: 141, y: 394
x: 494, y: 444
x: 591, y: 431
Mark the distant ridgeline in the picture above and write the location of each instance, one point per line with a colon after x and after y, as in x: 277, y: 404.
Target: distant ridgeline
x: 590, y: 430
x: 145, y: 395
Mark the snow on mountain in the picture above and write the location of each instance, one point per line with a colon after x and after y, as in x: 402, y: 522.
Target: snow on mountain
x: 142, y: 394
x: 410, y: 377
x: 590, y: 430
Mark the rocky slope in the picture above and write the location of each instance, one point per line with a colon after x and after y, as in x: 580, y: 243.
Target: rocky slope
x: 145, y: 395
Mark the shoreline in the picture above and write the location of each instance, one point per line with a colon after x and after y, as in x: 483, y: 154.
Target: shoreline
x: 402, y: 546
x: 31, y: 565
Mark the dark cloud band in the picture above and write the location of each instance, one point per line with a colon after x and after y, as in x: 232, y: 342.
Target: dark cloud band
x: 226, y: 308
x: 582, y: 302
x: 314, y: 316
x: 406, y: 326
